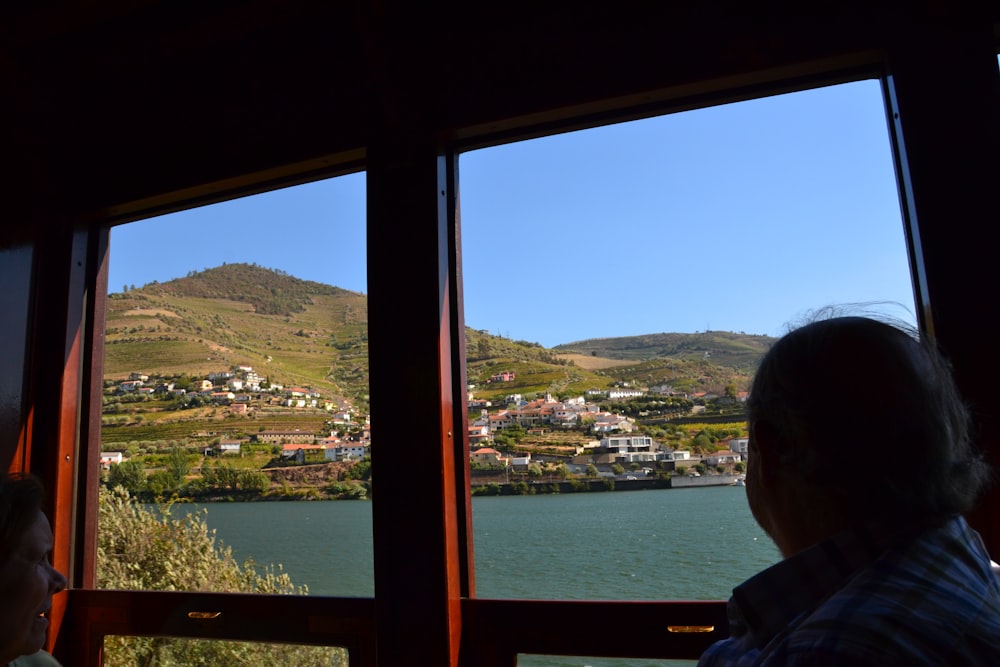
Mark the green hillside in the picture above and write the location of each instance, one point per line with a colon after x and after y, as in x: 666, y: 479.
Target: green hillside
x: 722, y: 348
x: 297, y: 332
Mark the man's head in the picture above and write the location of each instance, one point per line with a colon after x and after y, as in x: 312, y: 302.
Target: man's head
x: 851, y: 420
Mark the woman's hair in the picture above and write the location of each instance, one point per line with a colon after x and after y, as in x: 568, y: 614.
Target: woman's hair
x: 21, y: 498
x: 869, y: 411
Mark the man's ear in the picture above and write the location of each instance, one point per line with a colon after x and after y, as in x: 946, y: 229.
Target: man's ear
x: 764, y: 439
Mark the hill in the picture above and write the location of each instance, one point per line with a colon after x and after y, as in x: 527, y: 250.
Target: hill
x: 293, y: 331
x: 723, y: 348
x: 298, y: 332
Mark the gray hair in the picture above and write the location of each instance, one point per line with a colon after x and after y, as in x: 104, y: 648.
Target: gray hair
x: 868, y: 411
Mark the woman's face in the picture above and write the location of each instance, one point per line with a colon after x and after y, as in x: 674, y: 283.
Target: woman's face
x: 27, y: 583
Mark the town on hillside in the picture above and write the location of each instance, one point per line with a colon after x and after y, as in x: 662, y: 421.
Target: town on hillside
x: 533, y: 440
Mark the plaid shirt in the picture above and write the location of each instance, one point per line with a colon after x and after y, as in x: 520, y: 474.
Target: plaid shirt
x: 856, y: 599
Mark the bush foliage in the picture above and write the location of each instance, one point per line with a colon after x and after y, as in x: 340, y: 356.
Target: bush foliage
x: 142, y: 548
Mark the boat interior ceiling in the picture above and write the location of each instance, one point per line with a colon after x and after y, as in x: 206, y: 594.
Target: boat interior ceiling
x: 115, y: 111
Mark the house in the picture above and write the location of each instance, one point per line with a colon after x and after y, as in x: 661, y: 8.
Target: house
x: 739, y: 445
x: 478, y: 434
x: 345, y: 452
x: 507, y: 376
x: 485, y: 456
x: 138, y: 376
x: 238, y: 408
x: 631, y: 449
x: 606, y: 422
x: 520, y: 462
x: 722, y: 458
x: 502, y: 420
x: 203, y: 385
x: 111, y: 458
x: 301, y: 452
x: 341, y: 417
x: 227, y: 447
x: 129, y: 385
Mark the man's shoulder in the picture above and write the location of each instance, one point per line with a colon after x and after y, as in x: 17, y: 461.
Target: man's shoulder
x: 40, y: 659
x: 914, y: 606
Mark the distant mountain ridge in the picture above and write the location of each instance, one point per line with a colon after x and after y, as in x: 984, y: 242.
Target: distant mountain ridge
x: 300, y: 332
x: 723, y: 347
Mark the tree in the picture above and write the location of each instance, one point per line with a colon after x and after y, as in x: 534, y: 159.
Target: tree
x: 160, y: 483
x: 178, y: 466
x: 591, y: 470
x: 617, y: 469
x: 361, y: 470
x: 227, y: 477
x: 129, y: 475
x: 143, y: 549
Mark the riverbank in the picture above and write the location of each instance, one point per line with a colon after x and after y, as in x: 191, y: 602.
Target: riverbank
x: 359, y: 491
x: 603, y: 485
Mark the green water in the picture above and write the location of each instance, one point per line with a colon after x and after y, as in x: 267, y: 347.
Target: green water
x: 687, y: 544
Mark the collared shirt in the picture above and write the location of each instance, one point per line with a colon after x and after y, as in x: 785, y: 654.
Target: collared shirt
x: 857, y: 599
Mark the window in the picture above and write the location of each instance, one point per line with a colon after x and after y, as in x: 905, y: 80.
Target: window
x: 235, y: 369
x: 584, y: 254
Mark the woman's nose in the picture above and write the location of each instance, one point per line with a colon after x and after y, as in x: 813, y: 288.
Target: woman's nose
x: 57, y: 580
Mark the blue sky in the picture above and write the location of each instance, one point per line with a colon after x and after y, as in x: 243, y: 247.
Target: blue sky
x: 741, y: 217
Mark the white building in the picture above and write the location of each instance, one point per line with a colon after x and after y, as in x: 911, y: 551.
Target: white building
x: 739, y: 445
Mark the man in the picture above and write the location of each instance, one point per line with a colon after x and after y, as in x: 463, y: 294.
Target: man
x: 860, y: 466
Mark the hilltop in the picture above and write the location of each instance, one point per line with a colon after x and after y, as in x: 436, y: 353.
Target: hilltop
x: 293, y: 331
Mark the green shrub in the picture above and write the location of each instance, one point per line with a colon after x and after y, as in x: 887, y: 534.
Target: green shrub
x: 142, y: 549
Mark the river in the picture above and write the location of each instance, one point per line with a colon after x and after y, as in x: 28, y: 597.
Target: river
x: 689, y: 544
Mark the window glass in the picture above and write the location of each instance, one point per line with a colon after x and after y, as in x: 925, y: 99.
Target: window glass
x: 236, y: 372
x: 621, y: 284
